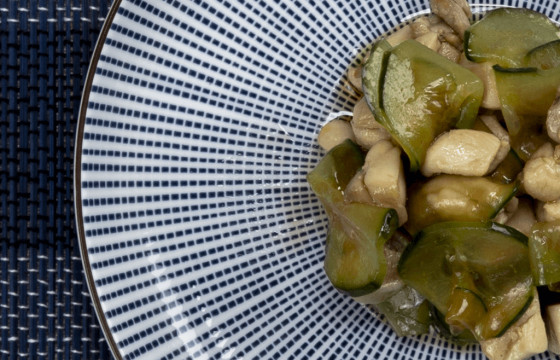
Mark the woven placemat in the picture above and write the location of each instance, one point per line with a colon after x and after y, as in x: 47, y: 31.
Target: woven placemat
x: 45, y: 309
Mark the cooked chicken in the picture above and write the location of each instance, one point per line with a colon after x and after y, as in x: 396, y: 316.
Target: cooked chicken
x: 384, y: 177
x: 494, y: 125
x: 430, y: 40
x: 334, y: 133
x: 548, y: 211
x: 403, y: 34
x: 486, y: 73
x: 541, y: 175
x: 524, y: 218
x: 552, y: 322
x: 553, y: 119
x: 455, y: 13
x: 367, y: 131
x: 507, y: 212
x: 525, y: 338
x: 449, y: 51
x: 420, y: 27
x: 356, y: 190
x: 462, y: 152
x: 546, y: 150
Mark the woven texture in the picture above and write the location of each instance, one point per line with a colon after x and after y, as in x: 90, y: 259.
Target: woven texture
x: 45, y: 50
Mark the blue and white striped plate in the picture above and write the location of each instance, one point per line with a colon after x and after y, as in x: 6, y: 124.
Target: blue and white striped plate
x: 200, y: 235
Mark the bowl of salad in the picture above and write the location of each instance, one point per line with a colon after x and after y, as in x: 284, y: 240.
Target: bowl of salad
x: 320, y: 180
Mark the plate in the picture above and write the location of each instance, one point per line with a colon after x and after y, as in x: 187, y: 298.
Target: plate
x: 200, y: 236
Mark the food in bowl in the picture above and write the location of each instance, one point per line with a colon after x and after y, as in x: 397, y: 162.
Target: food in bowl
x: 443, y: 191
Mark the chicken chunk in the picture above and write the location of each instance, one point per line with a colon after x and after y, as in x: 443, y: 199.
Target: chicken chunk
x: 334, y: 133
x: 403, y: 34
x: 507, y: 212
x: 548, y: 211
x: 492, y: 123
x: 356, y: 190
x: 525, y: 338
x: 553, y: 119
x: 541, y: 176
x: 367, y: 131
x: 552, y: 322
x: 449, y: 52
x: 524, y: 218
x: 462, y: 152
x: 485, y: 72
x: 384, y: 178
x: 455, y: 13
x: 430, y: 40
x: 546, y: 150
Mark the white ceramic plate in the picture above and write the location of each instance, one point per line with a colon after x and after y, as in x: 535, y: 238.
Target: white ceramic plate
x: 200, y: 236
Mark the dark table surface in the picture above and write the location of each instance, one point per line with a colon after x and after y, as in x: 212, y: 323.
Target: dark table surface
x: 45, y: 308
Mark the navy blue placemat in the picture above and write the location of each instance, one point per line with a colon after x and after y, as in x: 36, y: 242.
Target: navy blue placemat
x: 45, y: 308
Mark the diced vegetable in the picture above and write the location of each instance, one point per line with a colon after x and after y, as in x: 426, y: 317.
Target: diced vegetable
x: 463, y: 338
x: 544, y: 57
x: 354, y: 259
x: 507, y: 171
x: 544, y: 252
x: 487, y: 259
x: 407, y: 311
x: 455, y: 198
x: 505, y: 35
x: 526, y: 95
x: 417, y: 94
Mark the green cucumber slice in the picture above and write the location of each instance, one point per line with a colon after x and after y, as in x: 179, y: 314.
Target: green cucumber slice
x: 417, y: 94
x: 544, y: 57
x: 526, y: 95
x: 455, y: 198
x: 488, y: 259
x: 354, y: 260
x: 505, y: 35
x: 544, y: 252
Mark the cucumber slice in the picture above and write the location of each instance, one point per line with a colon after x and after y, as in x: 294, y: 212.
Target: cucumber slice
x: 526, y: 94
x: 354, y: 258
x: 544, y: 57
x: 488, y: 259
x: 544, y: 252
x: 464, y: 338
x: 417, y: 94
x: 509, y: 168
x: 407, y: 312
x: 505, y: 35
x: 455, y: 198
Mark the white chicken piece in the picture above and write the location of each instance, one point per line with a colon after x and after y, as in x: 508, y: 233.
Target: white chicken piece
x: 384, y: 178
x: 493, y: 124
x: 367, y: 131
x: 403, y: 34
x: 548, y: 211
x: 507, y: 212
x: 546, y: 150
x: 541, y: 175
x: 485, y: 72
x: 553, y: 119
x: 462, y: 152
x: 334, y: 133
x: 420, y: 27
x: 525, y: 338
x: 455, y: 13
x: 552, y: 322
x: 355, y: 77
x: 430, y: 40
x: 356, y: 190
x: 524, y: 218
x: 449, y: 52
